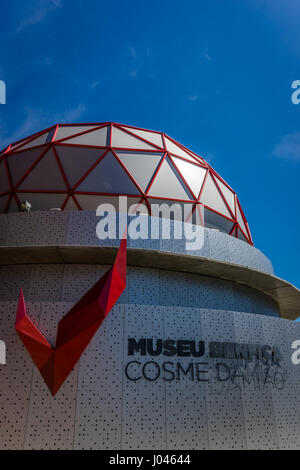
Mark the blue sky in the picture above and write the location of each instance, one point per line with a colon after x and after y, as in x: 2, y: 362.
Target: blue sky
x: 216, y: 76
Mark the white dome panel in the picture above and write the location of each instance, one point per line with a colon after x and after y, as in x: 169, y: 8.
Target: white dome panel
x: 97, y: 138
x: 45, y: 176
x: 66, y: 131
x: 76, y: 161
x: 211, y: 197
x: 122, y: 139
x: 176, y: 150
x: 42, y: 139
x: 168, y: 184
x: 193, y: 174
x: 141, y: 166
x: 152, y: 137
x: 4, y: 181
x: 107, y: 160
x: 240, y: 219
x: 228, y: 194
x: 108, y: 177
x: 70, y: 205
x: 3, y: 202
x: 19, y: 163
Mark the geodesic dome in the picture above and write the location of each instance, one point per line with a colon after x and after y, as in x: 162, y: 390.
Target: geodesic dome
x: 78, y: 166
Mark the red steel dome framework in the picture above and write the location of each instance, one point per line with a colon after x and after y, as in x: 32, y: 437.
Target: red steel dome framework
x: 77, y: 166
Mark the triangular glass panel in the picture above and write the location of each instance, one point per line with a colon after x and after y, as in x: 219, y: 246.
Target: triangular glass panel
x: 173, y: 148
x: 181, y: 211
x: 167, y: 183
x: 4, y: 181
x: 141, y: 166
x: 43, y: 201
x: 76, y: 161
x: 67, y: 131
x: 20, y: 162
x: 193, y: 174
x: 228, y: 194
x: 151, y: 137
x: 123, y: 140
x: 108, y: 177
x: 71, y: 205
x: 13, y: 206
x: 216, y: 221
x: 97, y: 138
x: 3, y: 202
x: 197, y: 157
x: 42, y: 139
x: 242, y: 237
x: 211, y: 197
x: 46, y: 175
x: 91, y: 202
x: 17, y: 144
x: 240, y: 219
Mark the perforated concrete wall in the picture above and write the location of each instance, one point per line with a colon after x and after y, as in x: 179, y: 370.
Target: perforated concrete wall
x: 79, y: 228
x: 67, y: 283
x: 156, y: 402
x: 99, y: 407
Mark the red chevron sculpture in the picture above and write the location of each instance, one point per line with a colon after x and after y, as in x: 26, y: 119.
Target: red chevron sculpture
x: 76, y: 329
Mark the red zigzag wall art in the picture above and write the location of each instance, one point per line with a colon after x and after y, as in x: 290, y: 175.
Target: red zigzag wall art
x: 76, y: 329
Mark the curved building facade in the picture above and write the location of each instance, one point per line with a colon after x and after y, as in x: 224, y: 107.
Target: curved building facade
x: 197, y: 353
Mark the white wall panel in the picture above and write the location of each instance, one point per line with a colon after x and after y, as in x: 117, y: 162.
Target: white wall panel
x: 224, y: 399
x: 16, y: 378
x: 260, y: 425
x: 50, y: 421
x: 284, y: 394
x: 144, y: 415
x: 99, y: 401
x: 186, y: 403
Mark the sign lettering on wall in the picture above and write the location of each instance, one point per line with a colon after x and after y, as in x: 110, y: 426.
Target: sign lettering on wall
x: 239, y: 364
